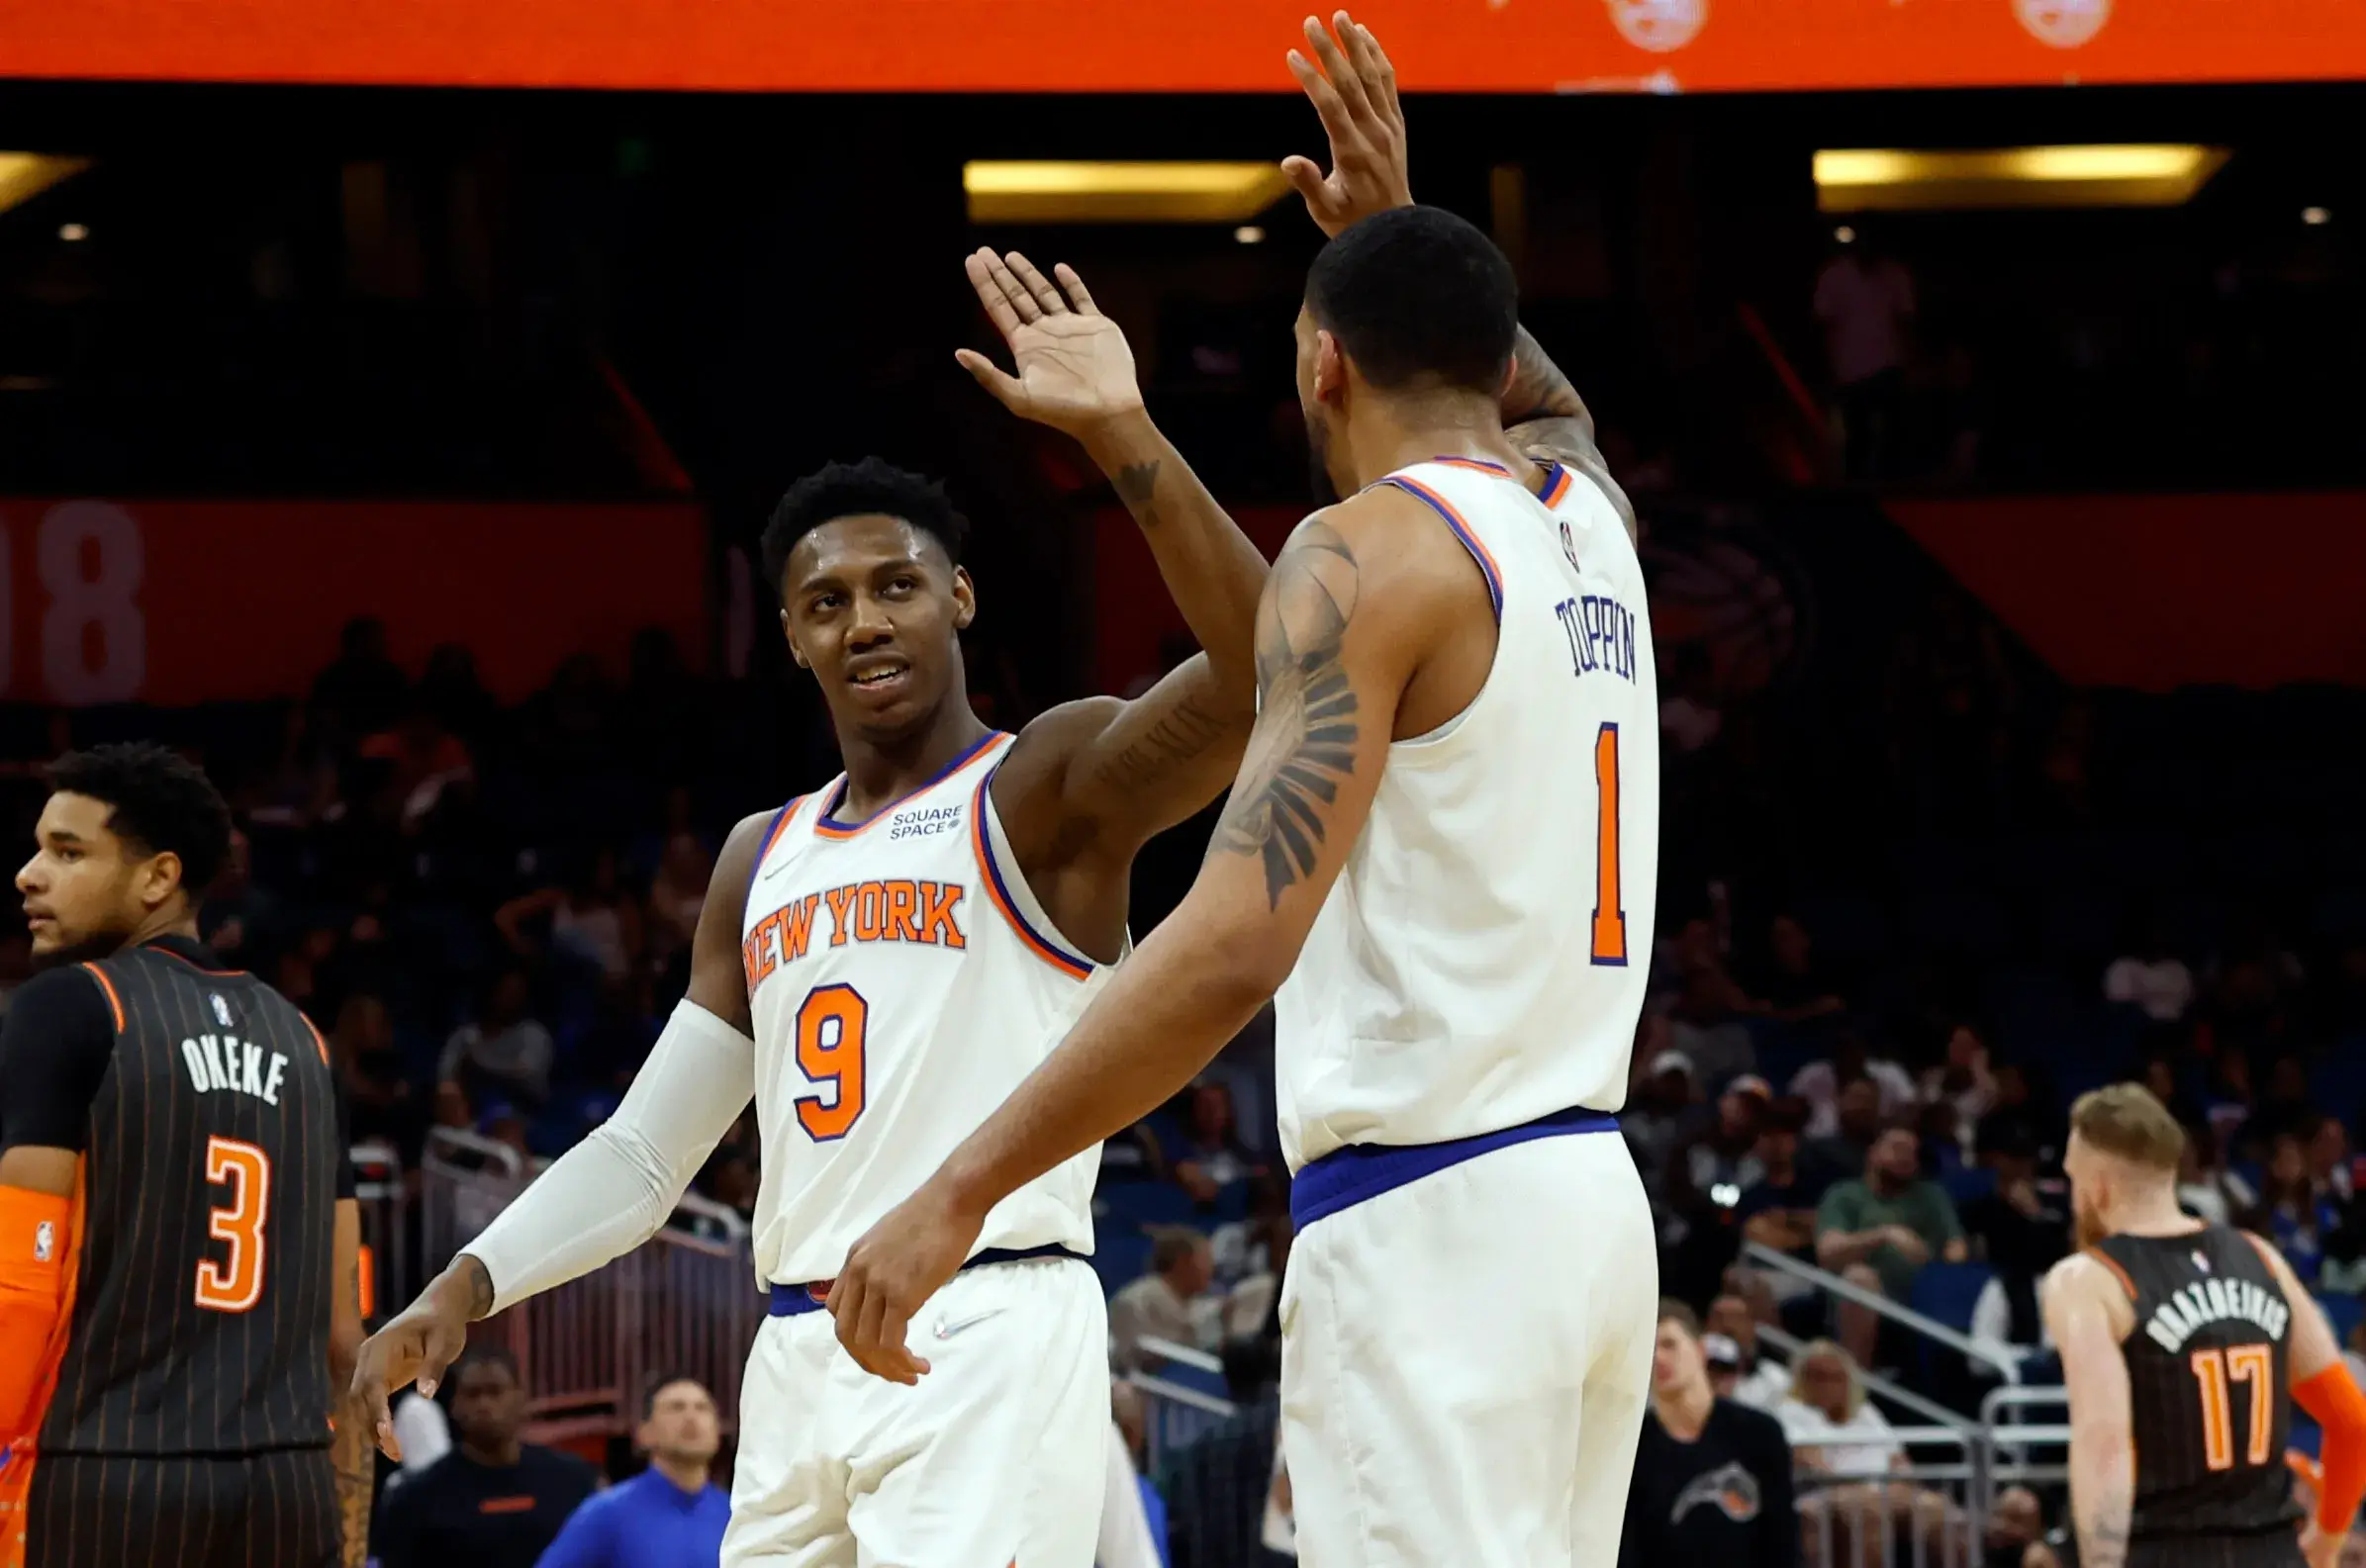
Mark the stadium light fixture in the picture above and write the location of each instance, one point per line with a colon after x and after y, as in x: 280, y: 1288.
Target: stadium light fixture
x: 1120, y: 193
x: 25, y: 175
x: 1899, y: 179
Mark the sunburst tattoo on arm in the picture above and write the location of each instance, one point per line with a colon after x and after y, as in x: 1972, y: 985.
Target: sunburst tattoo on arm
x: 1306, y: 730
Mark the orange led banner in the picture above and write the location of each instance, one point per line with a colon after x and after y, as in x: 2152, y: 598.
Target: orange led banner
x: 1192, y: 45
x: 180, y: 601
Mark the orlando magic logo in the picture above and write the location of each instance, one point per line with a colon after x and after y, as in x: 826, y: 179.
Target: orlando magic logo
x: 220, y: 1009
x: 1658, y: 24
x: 2062, y: 24
x: 1729, y: 1488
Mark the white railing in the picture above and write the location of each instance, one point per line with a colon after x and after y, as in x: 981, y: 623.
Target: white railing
x: 2008, y: 1366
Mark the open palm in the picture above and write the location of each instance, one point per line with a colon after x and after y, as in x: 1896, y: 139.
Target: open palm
x: 1075, y: 369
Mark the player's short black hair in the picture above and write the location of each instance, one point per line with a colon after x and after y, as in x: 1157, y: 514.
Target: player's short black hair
x: 852, y: 490
x: 659, y: 1382
x: 484, y: 1355
x: 1418, y: 298
x: 160, y: 801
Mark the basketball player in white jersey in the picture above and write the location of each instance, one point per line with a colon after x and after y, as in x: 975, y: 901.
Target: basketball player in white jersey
x: 1439, y: 861
x: 879, y: 962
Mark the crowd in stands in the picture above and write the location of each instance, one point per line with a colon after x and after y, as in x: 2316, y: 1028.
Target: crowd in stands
x: 1860, y: 1039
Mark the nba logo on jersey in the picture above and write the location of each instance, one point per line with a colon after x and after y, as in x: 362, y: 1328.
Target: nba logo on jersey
x: 44, y: 1241
x: 220, y: 1009
x: 1569, y: 545
x: 2200, y: 1262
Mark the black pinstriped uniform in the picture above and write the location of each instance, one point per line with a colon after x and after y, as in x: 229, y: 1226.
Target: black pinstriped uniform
x: 190, y: 1419
x: 2211, y: 1487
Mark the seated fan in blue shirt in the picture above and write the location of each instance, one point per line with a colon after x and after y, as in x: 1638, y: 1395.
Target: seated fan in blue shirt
x: 669, y: 1516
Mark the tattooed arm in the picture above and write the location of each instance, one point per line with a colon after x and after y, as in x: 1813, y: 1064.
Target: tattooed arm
x: 351, y: 1443
x: 1126, y: 769
x: 2088, y: 1315
x: 1358, y: 601
x: 1546, y: 419
x: 1352, y: 87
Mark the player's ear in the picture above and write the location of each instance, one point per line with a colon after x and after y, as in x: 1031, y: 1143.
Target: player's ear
x: 1330, y: 367
x: 789, y: 633
x: 964, y: 599
x: 157, y: 877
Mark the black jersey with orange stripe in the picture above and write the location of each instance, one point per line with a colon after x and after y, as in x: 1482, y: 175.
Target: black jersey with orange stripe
x: 212, y: 1133
x: 2209, y: 1384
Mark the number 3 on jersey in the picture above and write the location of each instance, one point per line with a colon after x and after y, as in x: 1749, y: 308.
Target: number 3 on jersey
x: 1610, y: 915
x: 831, y: 1027
x: 235, y: 1283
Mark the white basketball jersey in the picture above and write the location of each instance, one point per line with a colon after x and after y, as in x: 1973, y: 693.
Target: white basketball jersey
x: 903, y: 981
x: 1481, y: 961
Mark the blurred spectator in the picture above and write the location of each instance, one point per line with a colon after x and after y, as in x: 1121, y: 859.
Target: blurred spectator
x: 2149, y: 976
x: 2200, y: 1180
x: 1879, y: 1231
x: 1658, y: 1114
x: 2016, y: 1522
x: 2286, y: 1209
x: 1865, y: 300
x: 591, y: 920
x: 2328, y: 1159
x: 676, y: 896
x: 1258, y: 1244
x: 1759, y: 1381
x: 1704, y: 1021
x: 1963, y: 1083
x: 362, y: 1045
x: 1716, y: 1164
x: 1841, y: 1440
x: 1206, y: 1154
x: 1778, y: 1209
x: 2020, y: 1229
x: 1857, y: 1120
x: 1689, y: 716
x: 362, y: 690
x: 669, y: 1516
x: 2015, y: 1119
x: 418, y: 758
x: 504, y: 1123
x: 1157, y: 1305
x: 1712, y: 1476
x: 493, y: 1501
x: 503, y: 1050
x: 1796, y: 988
x: 239, y: 919
x: 1820, y: 1083
x: 450, y: 691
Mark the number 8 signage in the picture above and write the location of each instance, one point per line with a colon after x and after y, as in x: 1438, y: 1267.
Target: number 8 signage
x: 89, y: 564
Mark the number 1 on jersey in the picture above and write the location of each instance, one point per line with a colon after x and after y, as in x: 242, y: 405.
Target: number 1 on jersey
x: 1610, y: 916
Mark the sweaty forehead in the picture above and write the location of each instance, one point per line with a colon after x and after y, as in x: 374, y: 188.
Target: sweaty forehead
x: 849, y: 547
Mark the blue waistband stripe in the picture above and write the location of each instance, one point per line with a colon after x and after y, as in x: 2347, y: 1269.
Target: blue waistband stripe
x: 793, y: 1301
x: 1347, y: 1176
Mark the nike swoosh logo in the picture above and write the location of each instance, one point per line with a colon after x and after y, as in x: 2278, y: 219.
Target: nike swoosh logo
x: 947, y: 1328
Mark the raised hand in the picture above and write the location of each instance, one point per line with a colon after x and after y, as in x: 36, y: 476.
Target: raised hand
x: 1354, y: 90
x: 1075, y: 373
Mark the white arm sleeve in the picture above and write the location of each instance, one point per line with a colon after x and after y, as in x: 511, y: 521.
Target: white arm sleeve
x: 610, y: 1192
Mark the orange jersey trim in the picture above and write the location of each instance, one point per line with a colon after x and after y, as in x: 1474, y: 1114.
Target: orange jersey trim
x: 825, y: 828
x: 2118, y: 1274
x: 114, y: 997
x: 999, y: 893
